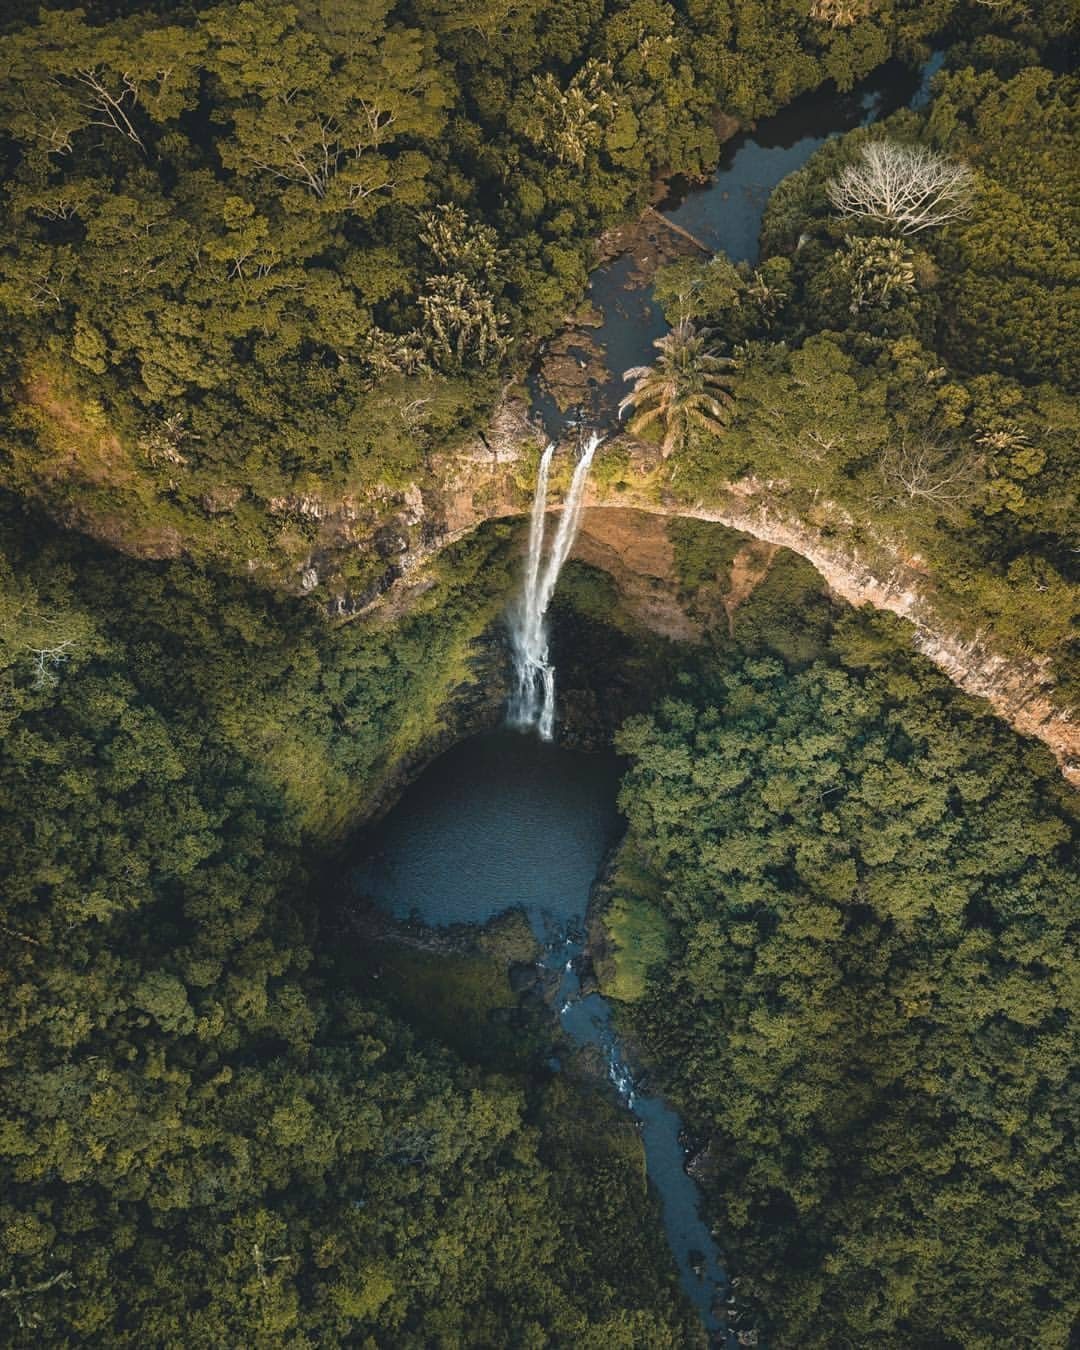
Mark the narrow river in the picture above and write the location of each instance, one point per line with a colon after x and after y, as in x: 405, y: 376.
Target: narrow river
x: 725, y: 214
x: 505, y: 820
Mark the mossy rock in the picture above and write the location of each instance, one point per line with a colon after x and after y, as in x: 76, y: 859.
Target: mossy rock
x: 509, y: 939
x: 635, y: 930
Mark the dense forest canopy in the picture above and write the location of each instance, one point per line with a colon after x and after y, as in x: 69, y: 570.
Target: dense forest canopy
x: 264, y: 230
x: 254, y: 251
x: 865, y: 1002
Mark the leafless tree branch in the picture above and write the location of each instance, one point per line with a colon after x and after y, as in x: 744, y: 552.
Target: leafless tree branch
x: 906, y: 187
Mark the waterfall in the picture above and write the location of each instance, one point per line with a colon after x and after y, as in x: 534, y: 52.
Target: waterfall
x: 532, y: 702
x: 526, y: 631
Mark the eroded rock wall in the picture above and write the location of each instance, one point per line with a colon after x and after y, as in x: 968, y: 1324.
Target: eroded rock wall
x: 486, y: 482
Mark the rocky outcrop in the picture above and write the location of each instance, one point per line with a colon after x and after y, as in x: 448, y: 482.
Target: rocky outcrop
x: 368, y: 553
x: 1017, y: 690
x: 633, y: 547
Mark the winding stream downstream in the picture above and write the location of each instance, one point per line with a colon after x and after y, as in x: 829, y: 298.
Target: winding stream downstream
x: 507, y: 820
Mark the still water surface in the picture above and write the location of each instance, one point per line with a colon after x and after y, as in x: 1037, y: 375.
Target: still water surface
x: 507, y: 820
x: 500, y: 820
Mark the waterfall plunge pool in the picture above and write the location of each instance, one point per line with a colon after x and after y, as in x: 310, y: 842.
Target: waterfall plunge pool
x: 507, y: 820
x: 504, y: 820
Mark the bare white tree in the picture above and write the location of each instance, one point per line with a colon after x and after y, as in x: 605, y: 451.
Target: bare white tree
x: 905, y: 187
x: 924, y: 467
x: 47, y: 661
x: 30, y: 1317
x: 105, y: 107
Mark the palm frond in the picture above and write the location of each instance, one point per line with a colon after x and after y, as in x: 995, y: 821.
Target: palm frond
x: 688, y: 383
x: 644, y: 419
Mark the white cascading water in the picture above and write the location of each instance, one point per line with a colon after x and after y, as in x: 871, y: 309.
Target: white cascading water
x: 533, y: 700
x: 524, y: 702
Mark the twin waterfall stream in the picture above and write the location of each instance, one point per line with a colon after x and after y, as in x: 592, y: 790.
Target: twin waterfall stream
x: 532, y: 702
x: 586, y: 1017
x: 508, y: 820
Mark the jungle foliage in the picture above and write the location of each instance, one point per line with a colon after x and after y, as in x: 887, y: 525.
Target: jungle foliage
x: 871, y: 892
x: 915, y: 392
x: 266, y: 246
x: 209, y: 1129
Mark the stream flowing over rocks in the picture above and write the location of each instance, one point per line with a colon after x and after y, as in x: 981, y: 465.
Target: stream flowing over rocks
x: 506, y: 820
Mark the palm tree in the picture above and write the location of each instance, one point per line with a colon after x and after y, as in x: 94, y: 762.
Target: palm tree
x: 685, y: 387
x: 877, y: 268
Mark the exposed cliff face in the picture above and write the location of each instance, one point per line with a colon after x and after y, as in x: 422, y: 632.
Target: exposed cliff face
x: 1018, y: 691
x: 369, y: 553
x: 488, y: 480
x: 633, y: 547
